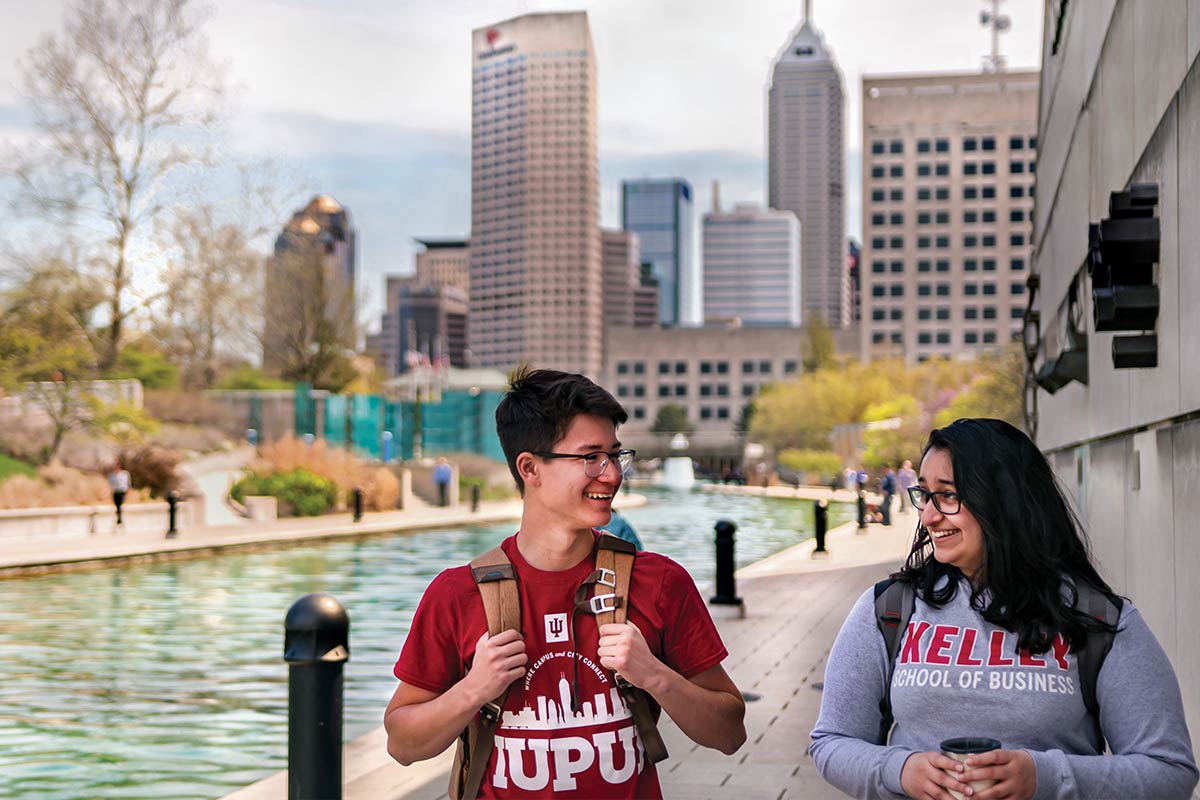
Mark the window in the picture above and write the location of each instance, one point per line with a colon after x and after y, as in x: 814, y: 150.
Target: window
x: 971, y: 337
x: 622, y: 390
x: 896, y: 195
x: 1016, y: 215
x: 748, y: 366
x: 970, y: 289
x: 877, y: 338
x: 896, y: 171
x: 722, y: 390
x: 878, y: 267
x: 943, y: 218
x: 897, y: 290
x: 896, y: 219
x: 639, y: 412
x: 878, y: 291
x: 941, y: 169
x: 943, y: 312
x: 970, y: 193
x: 748, y: 390
x: 664, y: 368
x: 987, y: 143
x: 988, y: 240
x: 1016, y: 312
x: 1016, y: 288
x: 1032, y: 167
x: 943, y: 337
x: 1016, y: 167
x: 924, y: 266
x: 970, y: 240
x: 943, y: 241
x: 989, y: 312
x: 639, y: 368
x: 970, y: 144
x: 877, y: 195
x: 989, y: 265
x: 989, y: 337
x: 622, y: 368
x: 897, y: 266
x: 680, y: 367
x: 722, y: 367
x: 764, y: 367
x: 1016, y: 191
x: 943, y: 290
x: 705, y: 390
x: 895, y: 146
x: 970, y: 168
x: 877, y: 148
x: 923, y: 242
x: 897, y: 338
x: 897, y: 242
x: 989, y: 215
x: 705, y: 412
x: 680, y: 390
x: 897, y: 314
x: 1016, y: 143
x: 639, y: 391
x: 970, y: 265
x: 942, y: 145
x: 923, y: 170
x: 924, y: 337
x: 790, y: 366
x: 664, y: 391
x: 706, y: 367
x: 922, y: 194
x: 923, y: 313
x: 878, y: 243
x: 942, y: 194
x: 877, y: 171
x: 878, y: 219
x: 1016, y: 264
x: 923, y: 290
x: 924, y: 218
x: 970, y: 217
x: 970, y: 312
x: 989, y: 288
x: 988, y: 192
x: 943, y: 265
x: 1032, y: 142
x: 722, y: 412
x: 922, y: 145
x: 1016, y: 239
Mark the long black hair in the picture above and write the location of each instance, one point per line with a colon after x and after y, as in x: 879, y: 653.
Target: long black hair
x: 1034, y: 547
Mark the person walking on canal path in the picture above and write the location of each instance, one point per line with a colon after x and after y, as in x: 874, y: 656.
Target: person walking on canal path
x: 906, y: 478
x: 1004, y: 630
x: 442, y: 475
x: 119, y: 483
x: 569, y: 699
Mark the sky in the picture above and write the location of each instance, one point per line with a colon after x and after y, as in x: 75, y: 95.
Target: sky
x: 369, y: 100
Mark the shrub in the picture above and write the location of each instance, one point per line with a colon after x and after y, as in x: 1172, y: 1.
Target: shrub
x: 250, y: 378
x: 381, y: 490
x: 819, y: 462
x: 152, y: 468
x: 10, y: 466
x: 300, y: 492
x: 58, y: 485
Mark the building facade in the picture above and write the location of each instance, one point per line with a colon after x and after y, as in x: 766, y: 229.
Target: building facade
x: 535, y: 270
x: 443, y: 263
x: 948, y: 170
x: 752, y: 266
x: 309, y: 275
x: 661, y: 212
x: 713, y: 372
x: 1120, y: 107
x: 806, y: 163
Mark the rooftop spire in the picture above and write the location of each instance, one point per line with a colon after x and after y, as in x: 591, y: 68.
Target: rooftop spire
x: 808, y: 11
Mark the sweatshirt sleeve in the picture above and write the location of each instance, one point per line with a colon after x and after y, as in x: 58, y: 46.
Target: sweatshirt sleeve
x: 843, y: 741
x: 1141, y: 714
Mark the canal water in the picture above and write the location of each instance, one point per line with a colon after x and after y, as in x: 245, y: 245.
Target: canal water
x: 167, y: 681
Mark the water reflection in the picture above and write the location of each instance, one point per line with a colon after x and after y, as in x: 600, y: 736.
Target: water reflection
x: 167, y: 680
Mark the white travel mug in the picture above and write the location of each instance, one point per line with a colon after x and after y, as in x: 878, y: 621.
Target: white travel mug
x: 960, y: 748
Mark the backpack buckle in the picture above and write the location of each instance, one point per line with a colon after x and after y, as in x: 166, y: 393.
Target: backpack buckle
x: 607, y: 578
x: 490, y: 713
x: 602, y: 603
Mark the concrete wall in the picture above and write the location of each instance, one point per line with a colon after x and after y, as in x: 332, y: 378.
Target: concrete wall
x: 1120, y: 104
x: 80, y: 522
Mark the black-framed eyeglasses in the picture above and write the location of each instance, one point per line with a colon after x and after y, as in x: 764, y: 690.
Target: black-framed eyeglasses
x: 944, y: 502
x: 595, y: 463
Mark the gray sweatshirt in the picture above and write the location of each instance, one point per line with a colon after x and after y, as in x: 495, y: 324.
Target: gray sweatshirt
x: 958, y: 675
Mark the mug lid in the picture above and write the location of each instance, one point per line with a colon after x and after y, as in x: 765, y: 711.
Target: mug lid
x: 968, y: 745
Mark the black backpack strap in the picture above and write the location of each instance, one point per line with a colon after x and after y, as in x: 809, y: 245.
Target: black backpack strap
x: 1100, y: 606
x: 894, y: 603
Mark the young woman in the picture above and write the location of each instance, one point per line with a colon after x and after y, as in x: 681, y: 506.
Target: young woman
x: 990, y: 650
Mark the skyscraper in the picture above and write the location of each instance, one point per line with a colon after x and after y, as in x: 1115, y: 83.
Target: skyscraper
x: 661, y: 213
x: 805, y: 163
x: 948, y: 172
x: 536, y: 282
x: 752, y: 266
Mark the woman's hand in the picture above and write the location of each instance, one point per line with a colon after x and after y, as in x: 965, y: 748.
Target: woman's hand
x: 925, y: 776
x: 1013, y: 770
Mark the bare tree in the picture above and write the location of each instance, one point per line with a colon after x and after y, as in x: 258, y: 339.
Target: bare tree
x: 121, y: 98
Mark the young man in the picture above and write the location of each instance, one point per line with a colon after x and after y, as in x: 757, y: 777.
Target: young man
x: 565, y: 730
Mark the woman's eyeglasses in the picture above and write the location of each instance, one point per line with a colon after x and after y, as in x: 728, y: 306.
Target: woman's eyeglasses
x: 944, y: 502
x: 595, y: 463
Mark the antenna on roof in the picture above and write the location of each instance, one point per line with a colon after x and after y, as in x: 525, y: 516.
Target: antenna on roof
x: 999, y: 23
x: 808, y: 11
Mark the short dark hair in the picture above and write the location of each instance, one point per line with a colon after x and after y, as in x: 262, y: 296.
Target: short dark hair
x: 538, y: 408
x: 1032, y: 540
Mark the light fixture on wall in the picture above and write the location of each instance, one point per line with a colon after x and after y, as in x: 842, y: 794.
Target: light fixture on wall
x: 1071, y: 362
x: 1122, y: 252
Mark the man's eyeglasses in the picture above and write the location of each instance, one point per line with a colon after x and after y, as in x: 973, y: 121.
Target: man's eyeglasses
x: 595, y: 463
x: 944, y: 502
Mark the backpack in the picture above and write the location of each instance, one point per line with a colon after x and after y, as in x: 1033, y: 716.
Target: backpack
x: 497, y: 582
x: 894, y: 603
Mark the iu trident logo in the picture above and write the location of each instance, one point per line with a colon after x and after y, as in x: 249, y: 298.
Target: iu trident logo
x: 556, y: 628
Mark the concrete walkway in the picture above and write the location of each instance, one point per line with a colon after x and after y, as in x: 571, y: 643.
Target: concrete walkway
x: 795, y: 605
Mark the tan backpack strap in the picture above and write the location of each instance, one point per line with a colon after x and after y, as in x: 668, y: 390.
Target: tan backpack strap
x: 616, y: 556
x: 497, y: 582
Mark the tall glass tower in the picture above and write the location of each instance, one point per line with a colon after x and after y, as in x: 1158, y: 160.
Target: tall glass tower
x: 660, y: 212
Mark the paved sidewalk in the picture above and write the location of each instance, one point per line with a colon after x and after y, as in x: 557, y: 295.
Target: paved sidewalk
x: 795, y: 605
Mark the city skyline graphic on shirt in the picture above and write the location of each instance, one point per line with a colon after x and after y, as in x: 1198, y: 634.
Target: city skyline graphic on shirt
x: 551, y: 715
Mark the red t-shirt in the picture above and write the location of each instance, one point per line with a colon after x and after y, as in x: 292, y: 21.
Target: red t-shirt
x: 543, y: 749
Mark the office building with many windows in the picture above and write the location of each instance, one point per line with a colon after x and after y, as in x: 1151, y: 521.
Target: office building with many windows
x: 948, y: 178
x: 535, y: 274
x: 752, y: 266
x: 661, y: 213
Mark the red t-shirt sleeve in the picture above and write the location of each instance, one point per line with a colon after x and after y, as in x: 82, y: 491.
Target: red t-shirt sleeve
x: 691, y: 643
x: 434, y: 655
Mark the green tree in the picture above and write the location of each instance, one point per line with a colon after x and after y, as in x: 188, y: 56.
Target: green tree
x: 895, y: 431
x: 120, y: 97
x: 671, y: 419
x: 141, y: 361
x: 996, y: 392
x: 821, y: 347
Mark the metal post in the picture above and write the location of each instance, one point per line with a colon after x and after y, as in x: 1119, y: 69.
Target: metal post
x: 172, y: 502
x: 358, y: 503
x: 474, y: 497
x: 726, y: 585
x: 316, y: 645
x: 821, y: 518
x: 862, y: 511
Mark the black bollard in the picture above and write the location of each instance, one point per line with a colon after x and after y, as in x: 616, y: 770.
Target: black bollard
x: 316, y: 645
x: 862, y: 511
x: 474, y: 497
x: 821, y: 517
x: 358, y: 503
x: 172, y: 502
x: 726, y: 586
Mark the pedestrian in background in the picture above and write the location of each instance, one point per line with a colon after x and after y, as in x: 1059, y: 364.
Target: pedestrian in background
x: 906, y: 478
x: 442, y: 473
x: 888, y: 487
x: 118, y: 482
